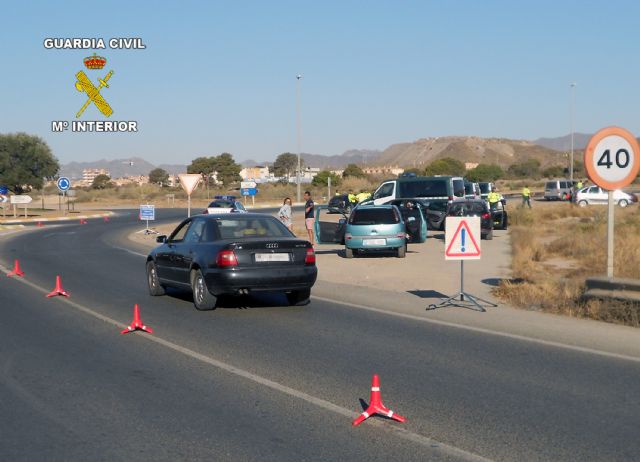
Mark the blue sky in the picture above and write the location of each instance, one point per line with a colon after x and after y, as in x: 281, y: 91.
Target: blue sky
x: 221, y: 76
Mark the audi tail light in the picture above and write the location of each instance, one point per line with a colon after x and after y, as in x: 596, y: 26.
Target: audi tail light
x: 226, y: 258
x: 485, y: 216
x: 310, y: 258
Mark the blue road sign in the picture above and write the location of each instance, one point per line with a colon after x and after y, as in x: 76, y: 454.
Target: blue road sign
x: 4, y: 190
x: 147, y: 212
x: 63, y: 183
x: 249, y: 191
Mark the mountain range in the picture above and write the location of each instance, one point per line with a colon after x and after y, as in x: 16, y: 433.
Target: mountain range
x: 419, y: 153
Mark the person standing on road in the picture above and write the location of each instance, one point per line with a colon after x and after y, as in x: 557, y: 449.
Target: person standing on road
x: 309, y: 216
x: 526, y: 196
x: 494, y: 197
x: 285, y: 213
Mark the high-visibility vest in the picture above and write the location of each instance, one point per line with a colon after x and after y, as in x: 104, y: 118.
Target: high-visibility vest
x: 526, y: 192
x: 493, y: 197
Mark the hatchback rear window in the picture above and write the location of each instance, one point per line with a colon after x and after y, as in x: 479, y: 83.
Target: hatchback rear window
x: 371, y: 216
x: 247, y: 228
x: 465, y: 209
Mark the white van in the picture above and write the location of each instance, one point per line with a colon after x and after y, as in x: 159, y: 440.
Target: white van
x: 432, y: 187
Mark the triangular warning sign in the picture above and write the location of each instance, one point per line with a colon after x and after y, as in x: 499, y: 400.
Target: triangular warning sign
x: 189, y: 181
x: 463, y: 243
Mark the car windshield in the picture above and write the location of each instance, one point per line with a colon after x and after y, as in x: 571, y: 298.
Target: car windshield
x: 371, y: 216
x: 468, y: 208
x: 249, y: 227
x: 423, y: 188
x: 221, y: 205
x: 484, y: 188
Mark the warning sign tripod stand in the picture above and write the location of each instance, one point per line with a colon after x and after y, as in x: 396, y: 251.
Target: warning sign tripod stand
x: 463, y: 299
x: 462, y: 242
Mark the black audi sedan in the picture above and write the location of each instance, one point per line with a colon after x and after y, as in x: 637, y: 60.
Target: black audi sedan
x: 235, y: 254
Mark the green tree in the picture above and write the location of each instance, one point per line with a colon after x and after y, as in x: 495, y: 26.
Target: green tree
x: 445, y: 166
x: 485, y: 172
x: 286, y: 164
x: 227, y: 168
x: 530, y: 168
x: 416, y: 171
x: 352, y: 170
x: 204, y: 166
x: 159, y: 176
x: 555, y: 171
x: 25, y: 160
x: 101, y: 182
x: 321, y: 178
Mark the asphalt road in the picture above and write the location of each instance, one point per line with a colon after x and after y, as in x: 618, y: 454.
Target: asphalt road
x: 256, y: 380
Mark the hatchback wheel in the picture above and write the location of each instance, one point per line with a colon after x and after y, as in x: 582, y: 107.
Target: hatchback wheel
x: 348, y: 252
x: 583, y: 203
x: 623, y: 202
x: 402, y: 251
x: 202, y: 298
x: 155, y: 288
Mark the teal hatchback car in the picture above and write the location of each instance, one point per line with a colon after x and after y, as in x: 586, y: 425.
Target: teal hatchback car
x: 372, y: 228
x: 375, y: 228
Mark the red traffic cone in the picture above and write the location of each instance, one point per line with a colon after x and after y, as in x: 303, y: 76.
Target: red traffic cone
x: 106, y: 219
x: 83, y: 221
x: 376, y: 406
x: 58, y: 290
x: 137, y: 323
x: 40, y: 224
x: 16, y: 269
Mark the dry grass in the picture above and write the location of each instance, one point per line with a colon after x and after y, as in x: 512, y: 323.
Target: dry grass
x: 556, y: 246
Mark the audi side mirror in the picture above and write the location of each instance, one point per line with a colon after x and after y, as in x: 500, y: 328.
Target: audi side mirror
x: 161, y: 239
x: 342, y: 221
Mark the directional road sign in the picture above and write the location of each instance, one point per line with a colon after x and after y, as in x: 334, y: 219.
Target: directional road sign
x: 22, y: 199
x: 462, y: 238
x: 248, y: 184
x: 147, y: 212
x: 63, y: 183
x: 248, y: 191
x: 611, y: 158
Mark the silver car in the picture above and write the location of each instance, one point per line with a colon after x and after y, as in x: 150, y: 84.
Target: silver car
x: 592, y: 195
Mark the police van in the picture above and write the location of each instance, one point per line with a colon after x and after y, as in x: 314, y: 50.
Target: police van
x: 429, y: 187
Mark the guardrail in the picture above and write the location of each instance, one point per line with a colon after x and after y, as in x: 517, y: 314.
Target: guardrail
x: 604, y: 288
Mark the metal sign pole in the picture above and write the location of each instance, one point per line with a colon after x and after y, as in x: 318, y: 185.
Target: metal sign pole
x: 188, y: 205
x: 610, y: 226
x: 461, y: 280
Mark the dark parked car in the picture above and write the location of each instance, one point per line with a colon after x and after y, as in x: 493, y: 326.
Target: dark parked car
x: 237, y: 253
x: 474, y: 208
x: 340, y: 204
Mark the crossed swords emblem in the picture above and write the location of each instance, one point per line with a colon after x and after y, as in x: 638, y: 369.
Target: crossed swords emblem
x: 93, y: 92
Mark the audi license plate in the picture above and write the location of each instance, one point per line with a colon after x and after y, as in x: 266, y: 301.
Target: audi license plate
x: 374, y: 242
x: 266, y: 257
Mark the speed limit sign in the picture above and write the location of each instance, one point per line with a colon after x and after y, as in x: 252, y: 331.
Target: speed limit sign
x: 611, y: 158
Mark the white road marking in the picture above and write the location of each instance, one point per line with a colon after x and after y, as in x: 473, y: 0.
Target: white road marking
x: 400, y: 432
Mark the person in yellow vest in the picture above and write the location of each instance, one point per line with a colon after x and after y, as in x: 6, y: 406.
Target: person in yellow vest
x: 352, y: 197
x: 526, y: 196
x: 494, y: 197
x: 363, y: 196
x: 579, y: 185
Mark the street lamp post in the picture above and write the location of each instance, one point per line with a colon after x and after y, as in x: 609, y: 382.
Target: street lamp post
x: 572, y: 110
x: 298, y: 77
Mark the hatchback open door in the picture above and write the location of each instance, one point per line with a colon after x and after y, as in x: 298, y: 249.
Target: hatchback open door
x: 329, y: 227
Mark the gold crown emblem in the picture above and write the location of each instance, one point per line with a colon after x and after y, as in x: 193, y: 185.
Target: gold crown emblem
x: 95, y: 62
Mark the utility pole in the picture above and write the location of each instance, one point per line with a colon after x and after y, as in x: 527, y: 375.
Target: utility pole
x: 298, y: 77
x: 572, y: 110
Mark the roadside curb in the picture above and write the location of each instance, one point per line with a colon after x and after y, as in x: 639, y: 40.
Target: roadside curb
x: 6, y: 227
x: 55, y: 219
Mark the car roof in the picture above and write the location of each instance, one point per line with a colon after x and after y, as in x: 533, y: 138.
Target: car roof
x: 234, y: 216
